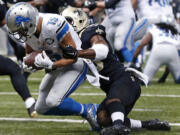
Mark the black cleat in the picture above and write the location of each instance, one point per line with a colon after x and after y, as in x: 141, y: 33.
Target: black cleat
x: 115, y: 130
x: 32, y: 112
x: 156, y: 124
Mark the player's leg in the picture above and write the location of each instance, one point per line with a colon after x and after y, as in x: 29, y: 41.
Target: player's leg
x: 163, y: 78
x: 57, y: 86
x: 110, y: 31
x: 19, y: 51
x: 141, y: 27
x: 153, y: 63
x: 123, y: 40
x: 174, y: 64
x: 154, y: 124
x: 8, y: 67
x: 123, y: 92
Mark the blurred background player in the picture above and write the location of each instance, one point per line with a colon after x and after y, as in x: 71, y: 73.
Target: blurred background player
x: 122, y: 88
x: 119, y: 23
x: 166, y: 42
x: 8, y: 67
x: 148, y: 12
x: 52, y: 32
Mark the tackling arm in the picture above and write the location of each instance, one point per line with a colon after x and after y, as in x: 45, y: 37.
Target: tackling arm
x: 98, y: 51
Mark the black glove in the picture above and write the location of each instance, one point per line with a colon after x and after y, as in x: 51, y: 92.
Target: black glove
x: 91, y: 4
x: 69, y: 52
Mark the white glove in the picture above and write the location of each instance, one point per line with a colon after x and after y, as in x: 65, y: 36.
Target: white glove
x: 27, y: 68
x: 42, y: 60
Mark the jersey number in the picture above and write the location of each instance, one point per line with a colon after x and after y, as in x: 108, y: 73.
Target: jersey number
x: 162, y: 3
x: 53, y: 20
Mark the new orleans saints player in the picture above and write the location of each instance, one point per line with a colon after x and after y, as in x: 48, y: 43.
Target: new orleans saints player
x: 123, y: 87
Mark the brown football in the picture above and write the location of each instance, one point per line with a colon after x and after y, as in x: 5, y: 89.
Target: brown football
x: 30, y: 59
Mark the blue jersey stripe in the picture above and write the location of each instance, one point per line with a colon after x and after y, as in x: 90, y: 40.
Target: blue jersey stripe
x: 62, y: 32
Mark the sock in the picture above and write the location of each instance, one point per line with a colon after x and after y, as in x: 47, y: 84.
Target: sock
x: 135, y: 123
x: 115, y: 116
x: 116, y: 110
x: 67, y: 107
x: 29, y: 102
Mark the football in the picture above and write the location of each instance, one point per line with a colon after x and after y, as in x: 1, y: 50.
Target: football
x: 30, y: 59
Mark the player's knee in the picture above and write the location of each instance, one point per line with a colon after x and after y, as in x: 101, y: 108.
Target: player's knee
x: 15, y: 69
x: 39, y: 109
x: 104, y: 119
x: 53, y: 102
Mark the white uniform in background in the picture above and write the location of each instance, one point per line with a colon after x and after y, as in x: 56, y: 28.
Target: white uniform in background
x: 119, y: 23
x: 151, y: 12
x: 164, y: 52
x: 59, y: 83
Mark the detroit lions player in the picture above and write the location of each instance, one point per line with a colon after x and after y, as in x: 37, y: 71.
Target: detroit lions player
x: 150, y: 12
x: 166, y: 41
x: 122, y: 89
x: 51, y: 32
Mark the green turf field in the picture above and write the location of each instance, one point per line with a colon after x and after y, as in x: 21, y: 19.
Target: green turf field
x: 157, y: 101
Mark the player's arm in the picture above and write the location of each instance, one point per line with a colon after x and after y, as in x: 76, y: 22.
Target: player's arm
x: 134, y: 4
x: 38, y: 3
x: 28, y: 49
x: 146, y: 39
x: 98, y: 51
x: 67, y: 41
x: 101, y: 4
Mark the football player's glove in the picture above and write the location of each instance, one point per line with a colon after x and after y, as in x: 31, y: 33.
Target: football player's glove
x: 42, y: 60
x: 27, y: 68
x: 69, y: 52
x: 91, y: 4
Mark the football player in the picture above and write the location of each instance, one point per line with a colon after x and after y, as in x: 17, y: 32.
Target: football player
x: 51, y: 32
x: 8, y: 67
x: 119, y: 23
x: 150, y: 12
x: 123, y: 86
x: 166, y: 42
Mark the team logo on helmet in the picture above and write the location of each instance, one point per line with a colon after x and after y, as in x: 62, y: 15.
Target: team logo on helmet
x: 20, y: 19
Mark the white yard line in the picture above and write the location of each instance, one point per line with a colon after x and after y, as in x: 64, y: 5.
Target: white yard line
x: 55, y: 120
x: 98, y: 94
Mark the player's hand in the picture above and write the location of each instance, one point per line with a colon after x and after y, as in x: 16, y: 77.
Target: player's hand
x: 69, y: 52
x: 27, y: 68
x: 91, y: 4
x: 42, y: 60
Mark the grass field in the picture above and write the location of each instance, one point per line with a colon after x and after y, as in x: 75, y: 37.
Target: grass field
x: 157, y: 101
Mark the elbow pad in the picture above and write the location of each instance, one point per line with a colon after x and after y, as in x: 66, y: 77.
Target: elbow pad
x: 111, y: 3
x: 101, y: 51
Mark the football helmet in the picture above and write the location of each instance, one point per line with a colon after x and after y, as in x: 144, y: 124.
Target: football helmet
x: 22, y: 19
x: 76, y: 17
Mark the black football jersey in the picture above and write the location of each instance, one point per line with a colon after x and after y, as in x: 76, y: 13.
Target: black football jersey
x: 3, y: 9
x: 52, y: 6
x: 111, y: 66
